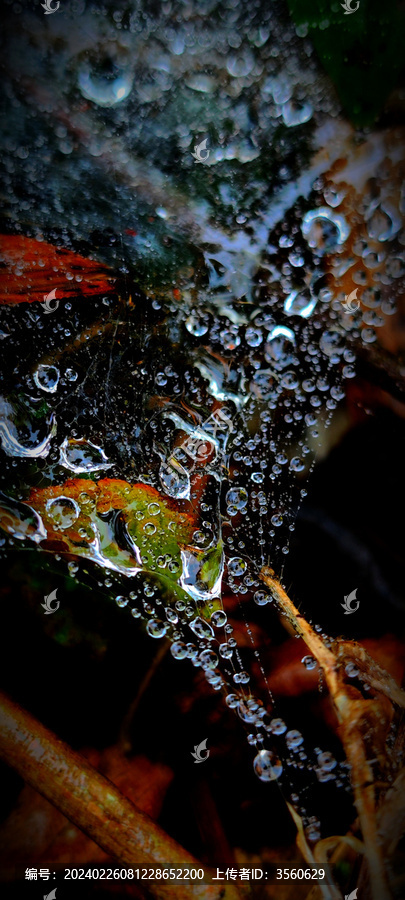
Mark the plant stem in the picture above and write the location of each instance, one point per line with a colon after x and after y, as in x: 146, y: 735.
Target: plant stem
x: 94, y: 804
x: 349, y: 714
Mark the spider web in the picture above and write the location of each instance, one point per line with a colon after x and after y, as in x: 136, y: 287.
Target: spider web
x: 224, y: 301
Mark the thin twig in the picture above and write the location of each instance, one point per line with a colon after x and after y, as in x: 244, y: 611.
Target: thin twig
x: 124, y: 740
x: 350, y: 712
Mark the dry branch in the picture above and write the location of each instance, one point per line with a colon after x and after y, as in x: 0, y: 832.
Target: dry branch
x: 93, y: 803
x: 352, y: 710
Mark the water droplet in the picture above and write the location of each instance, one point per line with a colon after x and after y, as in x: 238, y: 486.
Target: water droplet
x: 384, y: 223
x: 226, y: 651
x: 300, y: 303
x: 267, y: 766
x: 309, y: 662
x: 82, y: 456
x: 219, y: 618
x: 232, y: 700
x: 149, y: 528
x: 209, y: 659
x: 254, y: 337
x: 257, y: 477
x: 171, y: 615
x: 277, y: 520
x: 230, y: 338
x: 262, y: 598
x: 294, y: 739
x: 326, y: 761
x: 312, y: 833
x: 9, y: 432
x: 324, y: 229
x: 237, y: 497
x: 332, y: 343
x: 289, y: 381
x: 351, y: 670
x: 20, y: 520
x: 278, y: 726
x: 332, y: 196
x: 241, y: 677
x: 63, y: 511
x: 196, y: 324
x: 236, y: 566
x: 296, y: 464
x: 156, y: 628
x: 178, y: 650
x: 395, y: 267
x: 296, y: 113
x: 174, y: 478
x: 47, y: 378
x: 280, y: 343
x: 103, y: 80
x: 202, y: 629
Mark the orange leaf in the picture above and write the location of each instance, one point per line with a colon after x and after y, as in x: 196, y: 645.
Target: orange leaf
x: 31, y: 269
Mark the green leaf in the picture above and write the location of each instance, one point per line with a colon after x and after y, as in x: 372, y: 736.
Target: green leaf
x: 121, y: 526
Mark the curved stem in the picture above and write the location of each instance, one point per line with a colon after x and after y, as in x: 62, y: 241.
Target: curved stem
x: 349, y: 713
x: 93, y: 803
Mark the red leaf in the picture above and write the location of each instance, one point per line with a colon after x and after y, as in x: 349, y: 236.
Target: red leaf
x: 31, y: 269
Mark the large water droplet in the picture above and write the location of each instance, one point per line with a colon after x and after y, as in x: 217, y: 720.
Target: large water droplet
x: 63, y: 511
x: 82, y: 456
x: 20, y: 520
x: 174, y: 479
x: 236, y: 499
x: 9, y: 433
x: 104, y: 80
x: 47, y: 378
x: 201, y: 586
x: 324, y: 229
